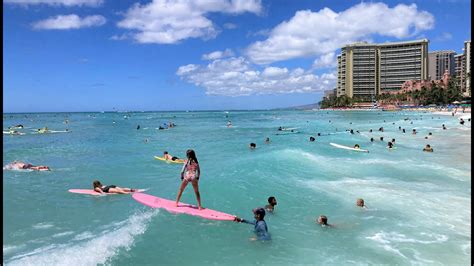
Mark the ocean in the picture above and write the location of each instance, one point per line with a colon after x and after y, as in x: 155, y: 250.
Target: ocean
x: 418, y: 203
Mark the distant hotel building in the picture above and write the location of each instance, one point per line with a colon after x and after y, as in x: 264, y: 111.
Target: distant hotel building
x: 366, y: 70
x: 463, y: 67
x: 439, y: 62
x: 459, y: 70
x: 329, y: 93
x: 467, y: 65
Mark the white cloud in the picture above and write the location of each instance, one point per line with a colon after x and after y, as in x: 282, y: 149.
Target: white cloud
x: 166, y: 21
x: 218, y: 55
x: 92, y: 3
x: 65, y: 22
x: 230, y: 26
x: 119, y: 37
x: 325, y: 61
x: 310, y: 33
x: 236, y: 76
x: 445, y: 36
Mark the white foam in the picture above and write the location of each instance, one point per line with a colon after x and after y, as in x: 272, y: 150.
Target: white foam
x: 95, y: 251
x: 63, y: 234
x: 391, y: 240
x: 43, y: 226
x: 10, y: 248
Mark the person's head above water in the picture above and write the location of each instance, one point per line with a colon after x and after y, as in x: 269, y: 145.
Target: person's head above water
x: 312, y: 139
x: 96, y: 183
x: 253, y: 145
x: 191, y: 155
x: 272, y: 201
x: 323, y: 220
x: 259, y: 213
x: 360, y: 202
x: 356, y: 146
x: 165, y: 152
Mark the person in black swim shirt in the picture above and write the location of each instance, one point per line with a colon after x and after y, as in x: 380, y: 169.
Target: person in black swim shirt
x: 98, y: 187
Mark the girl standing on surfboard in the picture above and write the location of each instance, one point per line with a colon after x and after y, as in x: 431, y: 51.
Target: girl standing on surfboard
x: 190, y: 173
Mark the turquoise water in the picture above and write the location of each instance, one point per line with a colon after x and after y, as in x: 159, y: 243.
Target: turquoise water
x: 418, y: 203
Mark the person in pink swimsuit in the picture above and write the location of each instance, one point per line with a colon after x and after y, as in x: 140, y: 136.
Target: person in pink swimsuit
x: 190, y: 174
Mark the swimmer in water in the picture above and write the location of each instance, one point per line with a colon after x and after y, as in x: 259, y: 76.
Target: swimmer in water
x: 18, y: 165
x: 252, y: 145
x: 260, y: 229
x: 361, y: 203
x: 389, y: 145
x: 323, y: 221
x: 311, y: 139
x: 267, y: 140
x: 272, y: 202
x: 428, y: 148
x: 356, y: 146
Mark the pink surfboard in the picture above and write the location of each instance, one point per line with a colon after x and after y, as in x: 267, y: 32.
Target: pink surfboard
x: 92, y: 192
x: 169, y: 205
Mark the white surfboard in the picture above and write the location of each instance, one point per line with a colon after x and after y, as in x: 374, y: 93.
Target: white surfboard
x: 347, y: 148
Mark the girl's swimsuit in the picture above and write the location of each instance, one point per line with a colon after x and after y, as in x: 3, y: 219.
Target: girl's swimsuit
x: 106, y: 188
x: 190, y: 171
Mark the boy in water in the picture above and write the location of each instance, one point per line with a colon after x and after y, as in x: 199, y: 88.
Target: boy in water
x: 361, y: 203
x: 323, y: 221
x: 261, y: 229
x: 428, y: 148
x: 271, y: 204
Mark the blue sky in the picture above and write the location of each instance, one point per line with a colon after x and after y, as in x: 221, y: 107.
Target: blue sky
x: 100, y: 55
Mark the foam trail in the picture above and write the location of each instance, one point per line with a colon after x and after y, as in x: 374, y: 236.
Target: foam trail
x: 95, y: 251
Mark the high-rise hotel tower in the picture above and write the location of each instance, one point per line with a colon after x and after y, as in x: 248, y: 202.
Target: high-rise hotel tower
x: 366, y: 70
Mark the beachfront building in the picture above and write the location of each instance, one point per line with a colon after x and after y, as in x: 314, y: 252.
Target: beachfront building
x: 412, y: 86
x: 459, y: 61
x: 366, y: 70
x: 439, y: 62
x: 329, y: 93
x: 467, y: 66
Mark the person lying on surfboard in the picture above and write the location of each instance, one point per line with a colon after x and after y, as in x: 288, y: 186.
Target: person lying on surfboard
x: 261, y: 229
x: 168, y: 157
x: 98, y: 187
x: 18, y: 165
x: 190, y: 174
